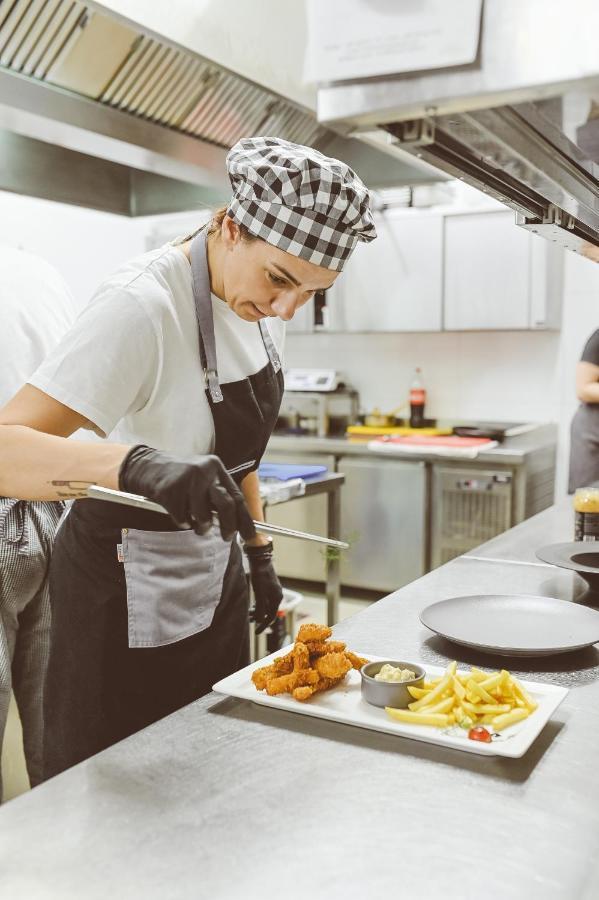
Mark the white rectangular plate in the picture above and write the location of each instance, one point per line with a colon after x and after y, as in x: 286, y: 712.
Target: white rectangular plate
x: 344, y: 704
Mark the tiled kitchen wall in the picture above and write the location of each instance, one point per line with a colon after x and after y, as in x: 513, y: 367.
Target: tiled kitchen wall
x: 479, y: 375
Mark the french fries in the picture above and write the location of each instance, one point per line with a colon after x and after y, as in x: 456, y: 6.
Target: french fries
x: 415, y: 718
x: 467, y: 699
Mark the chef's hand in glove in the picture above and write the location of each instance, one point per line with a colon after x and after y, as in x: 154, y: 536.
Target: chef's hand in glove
x: 267, y: 589
x: 189, y: 489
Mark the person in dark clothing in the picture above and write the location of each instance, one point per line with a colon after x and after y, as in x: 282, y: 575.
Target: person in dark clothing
x: 584, y: 432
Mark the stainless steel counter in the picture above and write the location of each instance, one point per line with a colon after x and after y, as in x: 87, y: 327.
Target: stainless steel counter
x: 513, y: 451
x: 225, y: 799
x: 428, y: 508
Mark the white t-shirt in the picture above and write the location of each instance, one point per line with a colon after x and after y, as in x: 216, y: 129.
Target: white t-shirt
x: 36, y: 310
x: 131, y: 362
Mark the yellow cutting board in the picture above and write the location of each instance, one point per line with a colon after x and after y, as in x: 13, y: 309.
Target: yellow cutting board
x: 399, y: 430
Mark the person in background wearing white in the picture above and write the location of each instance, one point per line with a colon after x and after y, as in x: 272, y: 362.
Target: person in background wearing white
x: 36, y: 310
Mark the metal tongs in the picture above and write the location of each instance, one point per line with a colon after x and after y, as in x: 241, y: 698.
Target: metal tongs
x: 96, y: 492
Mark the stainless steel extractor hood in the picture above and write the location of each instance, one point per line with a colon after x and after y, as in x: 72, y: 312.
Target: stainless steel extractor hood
x: 96, y: 111
x: 504, y: 123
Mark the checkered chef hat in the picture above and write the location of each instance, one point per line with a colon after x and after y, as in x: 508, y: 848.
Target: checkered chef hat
x: 305, y: 203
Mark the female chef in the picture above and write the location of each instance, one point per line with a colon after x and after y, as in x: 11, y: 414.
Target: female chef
x: 176, y: 360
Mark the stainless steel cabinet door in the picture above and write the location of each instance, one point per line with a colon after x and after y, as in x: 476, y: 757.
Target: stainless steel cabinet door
x: 383, y: 509
x: 293, y: 558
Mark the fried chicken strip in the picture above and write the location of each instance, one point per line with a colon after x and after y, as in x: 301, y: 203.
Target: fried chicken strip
x: 323, y: 684
x: 319, y: 648
x: 300, y: 675
x: 261, y: 677
x: 332, y: 665
x: 287, y: 684
x: 356, y: 661
x: 314, y: 664
x: 301, y: 656
x: 282, y: 665
x: 312, y: 632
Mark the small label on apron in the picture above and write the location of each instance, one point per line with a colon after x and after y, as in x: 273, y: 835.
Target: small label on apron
x: 119, y: 553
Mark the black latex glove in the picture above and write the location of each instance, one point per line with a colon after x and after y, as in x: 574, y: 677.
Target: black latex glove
x: 267, y: 589
x: 189, y: 489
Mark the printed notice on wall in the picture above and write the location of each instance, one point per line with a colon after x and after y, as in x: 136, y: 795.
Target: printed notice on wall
x: 361, y: 38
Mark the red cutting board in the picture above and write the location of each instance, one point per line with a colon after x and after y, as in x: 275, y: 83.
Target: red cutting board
x: 450, y: 440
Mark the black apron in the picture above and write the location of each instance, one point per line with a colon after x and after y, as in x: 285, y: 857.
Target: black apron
x: 132, y: 640
x: 584, y: 447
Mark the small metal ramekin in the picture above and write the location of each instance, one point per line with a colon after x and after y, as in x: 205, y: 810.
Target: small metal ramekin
x: 389, y: 693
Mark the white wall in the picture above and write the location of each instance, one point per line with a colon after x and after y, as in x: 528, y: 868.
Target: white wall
x: 84, y: 245
x: 478, y: 375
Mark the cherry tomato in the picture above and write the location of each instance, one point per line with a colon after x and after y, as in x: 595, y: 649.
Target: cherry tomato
x: 478, y: 733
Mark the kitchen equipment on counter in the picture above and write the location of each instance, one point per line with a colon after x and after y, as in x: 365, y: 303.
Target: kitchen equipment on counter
x: 389, y: 693
x: 284, y: 471
x: 371, y: 426
x: 369, y: 433
x: 581, y: 557
x: 514, y: 624
x: 344, y: 704
x: 316, y: 402
x: 496, y: 431
x: 95, y: 492
x: 275, y: 491
x: 439, y: 445
x: 309, y: 380
x: 378, y: 419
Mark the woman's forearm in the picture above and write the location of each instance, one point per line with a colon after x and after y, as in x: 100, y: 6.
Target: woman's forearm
x: 251, y: 492
x: 589, y: 393
x: 39, y: 466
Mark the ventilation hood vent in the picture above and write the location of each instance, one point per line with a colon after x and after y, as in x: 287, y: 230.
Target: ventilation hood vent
x: 95, y: 112
x: 519, y: 157
x: 65, y: 44
x: 506, y: 124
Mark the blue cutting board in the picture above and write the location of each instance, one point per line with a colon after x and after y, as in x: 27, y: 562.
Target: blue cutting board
x: 283, y: 472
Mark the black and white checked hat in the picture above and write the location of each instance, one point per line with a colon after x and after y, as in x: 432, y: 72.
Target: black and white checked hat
x: 305, y: 203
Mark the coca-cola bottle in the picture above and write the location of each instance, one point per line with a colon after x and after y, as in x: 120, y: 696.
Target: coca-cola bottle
x: 417, y: 401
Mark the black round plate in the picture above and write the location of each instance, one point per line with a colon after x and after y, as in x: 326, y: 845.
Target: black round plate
x: 581, y: 557
x: 514, y: 624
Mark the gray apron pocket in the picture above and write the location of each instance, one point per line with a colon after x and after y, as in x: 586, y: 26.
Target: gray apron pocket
x: 174, y: 583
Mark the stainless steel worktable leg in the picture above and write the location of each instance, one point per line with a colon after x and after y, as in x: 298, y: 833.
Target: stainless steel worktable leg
x: 332, y: 558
